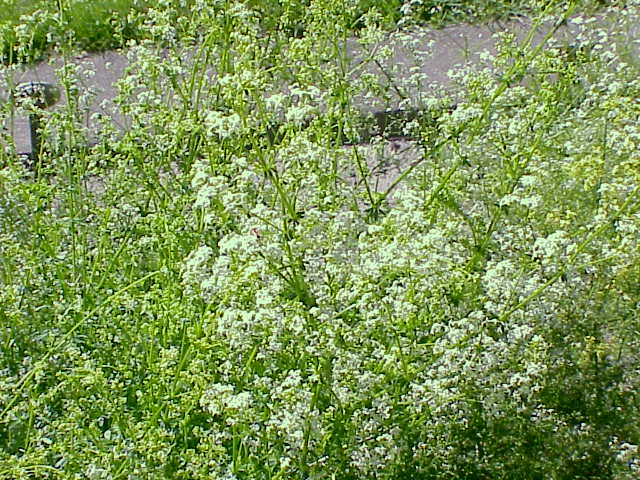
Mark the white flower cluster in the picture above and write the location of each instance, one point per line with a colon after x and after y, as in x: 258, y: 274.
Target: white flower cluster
x: 242, y: 303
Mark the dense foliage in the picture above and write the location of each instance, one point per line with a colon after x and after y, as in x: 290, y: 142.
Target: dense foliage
x: 202, y: 297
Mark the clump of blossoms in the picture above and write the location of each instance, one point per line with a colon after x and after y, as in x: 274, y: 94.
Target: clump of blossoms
x: 462, y: 329
x: 242, y: 301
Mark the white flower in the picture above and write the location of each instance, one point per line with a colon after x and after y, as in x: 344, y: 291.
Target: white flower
x: 220, y: 398
x: 195, y: 269
x: 236, y: 244
x: 221, y: 125
x: 298, y: 114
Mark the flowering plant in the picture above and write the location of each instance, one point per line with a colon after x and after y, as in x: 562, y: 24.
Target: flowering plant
x: 230, y: 290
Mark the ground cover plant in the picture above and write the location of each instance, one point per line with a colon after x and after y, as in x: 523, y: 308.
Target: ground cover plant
x: 221, y: 291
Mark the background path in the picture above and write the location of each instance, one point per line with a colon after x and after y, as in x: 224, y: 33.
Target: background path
x: 435, y: 53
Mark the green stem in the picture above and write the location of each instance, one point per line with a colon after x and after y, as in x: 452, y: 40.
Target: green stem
x: 24, y: 381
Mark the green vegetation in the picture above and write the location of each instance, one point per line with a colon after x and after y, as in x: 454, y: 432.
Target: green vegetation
x: 195, y: 298
x: 29, y: 29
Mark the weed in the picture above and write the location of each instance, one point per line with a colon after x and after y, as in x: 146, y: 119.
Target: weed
x: 223, y: 292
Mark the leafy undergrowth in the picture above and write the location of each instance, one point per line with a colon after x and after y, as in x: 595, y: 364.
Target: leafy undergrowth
x: 29, y: 30
x: 206, y: 298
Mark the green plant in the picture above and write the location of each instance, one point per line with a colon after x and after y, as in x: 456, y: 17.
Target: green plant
x: 224, y: 292
x: 29, y: 30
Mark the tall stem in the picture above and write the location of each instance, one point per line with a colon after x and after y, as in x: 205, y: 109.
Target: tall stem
x: 35, y: 124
